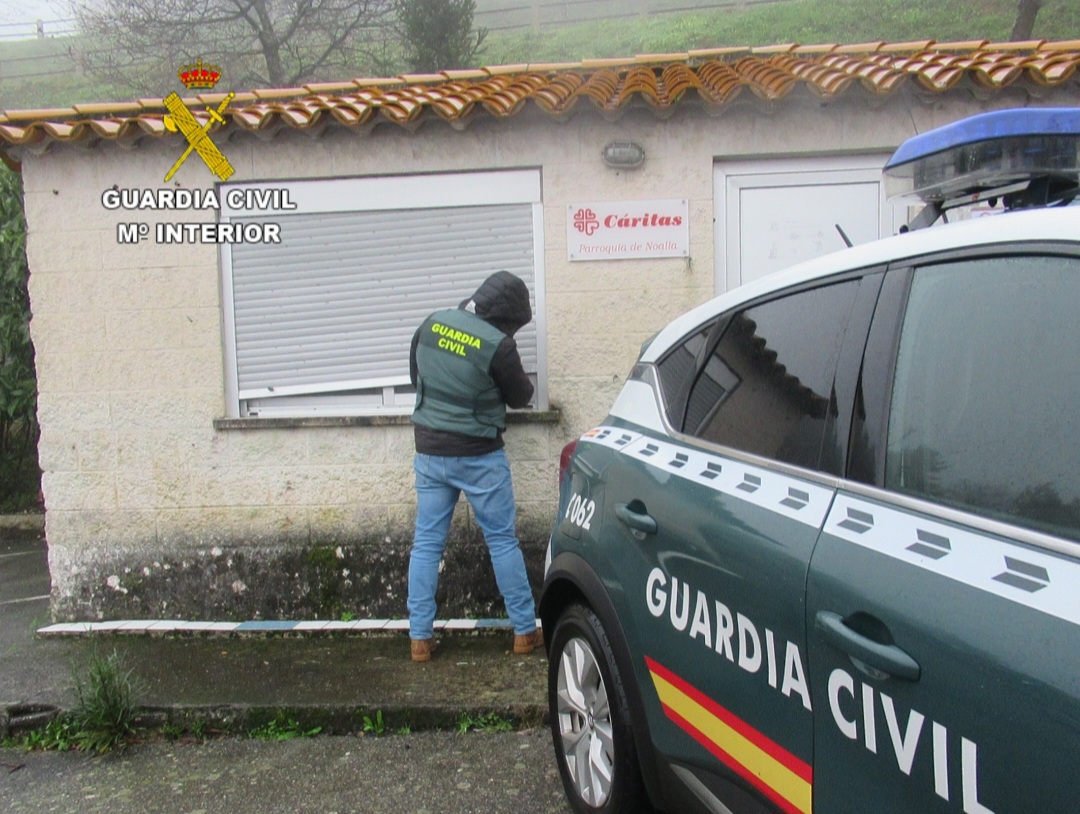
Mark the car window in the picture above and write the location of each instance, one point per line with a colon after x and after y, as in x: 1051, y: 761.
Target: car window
x: 768, y: 386
x: 984, y: 414
x: 676, y: 367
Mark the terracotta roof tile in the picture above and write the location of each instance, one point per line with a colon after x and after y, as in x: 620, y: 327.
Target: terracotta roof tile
x: 558, y: 95
x: 329, y: 87
x: 903, y: 47
x: 876, y: 72
x: 371, y: 82
x: 1020, y: 45
x: 552, y: 67
x: 774, y: 49
x: 713, y: 77
x: 677, y: 79
x: 506, y: 69
x: 1066, y: 45
x: 766, y: 77
x: 472, y: 73
x: 861, y: 48
x: 716, y: 53
x: 823, y: 48
x: 966, y: 45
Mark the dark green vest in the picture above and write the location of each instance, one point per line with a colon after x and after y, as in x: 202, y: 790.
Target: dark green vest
x: 454, y: 388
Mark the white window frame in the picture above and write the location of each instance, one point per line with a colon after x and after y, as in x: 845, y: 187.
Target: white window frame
x: 391, y: 395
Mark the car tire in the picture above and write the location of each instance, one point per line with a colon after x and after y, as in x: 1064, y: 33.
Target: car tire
x: 590, y: 719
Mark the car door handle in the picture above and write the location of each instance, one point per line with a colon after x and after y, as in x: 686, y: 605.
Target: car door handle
x: 885, y: 657
x: 636, y: 517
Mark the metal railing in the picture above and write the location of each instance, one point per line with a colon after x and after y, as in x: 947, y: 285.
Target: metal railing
x: 509, y: 15
x: 37, y: 29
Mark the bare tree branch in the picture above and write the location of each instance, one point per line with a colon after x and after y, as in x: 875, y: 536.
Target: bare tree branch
x: 257, y: 43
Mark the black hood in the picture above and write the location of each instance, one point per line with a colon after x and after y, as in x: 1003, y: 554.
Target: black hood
x: 501, y: 300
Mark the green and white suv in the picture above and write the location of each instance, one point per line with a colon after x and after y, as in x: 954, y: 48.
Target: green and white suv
x: 824, y: 552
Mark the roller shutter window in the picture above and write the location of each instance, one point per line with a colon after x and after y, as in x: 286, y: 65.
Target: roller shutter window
x: 320, y: 323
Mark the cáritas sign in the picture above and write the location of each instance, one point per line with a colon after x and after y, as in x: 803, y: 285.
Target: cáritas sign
x: 614, y: 230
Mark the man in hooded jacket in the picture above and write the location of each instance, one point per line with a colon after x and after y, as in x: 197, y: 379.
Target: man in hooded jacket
x: 466, y: 369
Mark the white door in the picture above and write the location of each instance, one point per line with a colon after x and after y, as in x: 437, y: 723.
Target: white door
x: 772, y: 213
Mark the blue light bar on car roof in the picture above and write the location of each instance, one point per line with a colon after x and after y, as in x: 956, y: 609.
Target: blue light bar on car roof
x: 992, y: 154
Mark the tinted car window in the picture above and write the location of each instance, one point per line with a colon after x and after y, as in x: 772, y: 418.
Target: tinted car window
x: 987, y: 383
x: 675, y: 368
x: 767, y: 388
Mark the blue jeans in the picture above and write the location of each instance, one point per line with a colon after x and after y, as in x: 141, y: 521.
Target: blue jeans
x: 485, y: 480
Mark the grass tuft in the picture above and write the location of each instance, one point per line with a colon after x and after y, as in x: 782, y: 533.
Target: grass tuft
x: 105, y: 705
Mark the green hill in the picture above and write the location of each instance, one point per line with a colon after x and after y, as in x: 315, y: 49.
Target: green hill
x: 43, y: 73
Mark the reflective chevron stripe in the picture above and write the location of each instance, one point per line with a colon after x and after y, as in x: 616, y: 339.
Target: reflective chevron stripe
x: 1041, y: 581
x: 799, y: 500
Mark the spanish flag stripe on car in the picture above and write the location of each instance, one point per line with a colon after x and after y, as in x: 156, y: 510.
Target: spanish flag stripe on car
x: 782, y: 776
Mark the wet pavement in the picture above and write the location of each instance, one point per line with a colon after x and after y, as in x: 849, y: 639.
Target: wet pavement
x: 332, y: 680
x: 420, y: 773
x: 235, y: 680
x: 213, y: 685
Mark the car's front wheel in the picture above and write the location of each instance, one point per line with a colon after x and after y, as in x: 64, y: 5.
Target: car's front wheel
x: 590, y: 721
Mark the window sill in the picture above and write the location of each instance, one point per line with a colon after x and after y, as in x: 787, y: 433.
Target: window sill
x: 280, y: 423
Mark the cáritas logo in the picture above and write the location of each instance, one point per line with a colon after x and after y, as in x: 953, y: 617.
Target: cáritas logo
x: 198, y: 76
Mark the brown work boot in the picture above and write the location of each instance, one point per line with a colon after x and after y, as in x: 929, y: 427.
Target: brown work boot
x: 422, y: 649
x: 524, y: 645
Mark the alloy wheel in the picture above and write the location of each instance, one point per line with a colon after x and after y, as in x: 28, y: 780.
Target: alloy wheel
x: 584, y: 723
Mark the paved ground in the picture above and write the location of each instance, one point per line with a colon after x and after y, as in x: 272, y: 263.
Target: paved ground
x: 422, y: 773
x: 28, y: 669
x: 232, y: 683
x: 331, y: 681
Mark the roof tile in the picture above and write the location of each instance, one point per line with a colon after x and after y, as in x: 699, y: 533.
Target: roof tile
x: 901, y: 47
x: 774, y: 49
x: 714, y: 53
x: 861, y: 48
x: 659, y: 59
x: 822, y: 48
x: 277, y: 93
x: 716, y: 77
x: 966, y: 45
x: 720, y: 82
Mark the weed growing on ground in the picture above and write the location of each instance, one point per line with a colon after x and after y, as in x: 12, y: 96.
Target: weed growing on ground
x: 374, y: 725
x: 195, y: 730
x: 58, y: 736
x: 105, y: 704
x: 283, y: 728
x: 491, y: 722
x: 103, y: 717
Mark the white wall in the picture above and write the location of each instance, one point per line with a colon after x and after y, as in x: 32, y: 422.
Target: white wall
x: 129, y: 344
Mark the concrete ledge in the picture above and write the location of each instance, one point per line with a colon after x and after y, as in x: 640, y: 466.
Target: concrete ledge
x: 513, y: 417
x: 336, y: 719
x: 174, y: 627
x: 206, y: 685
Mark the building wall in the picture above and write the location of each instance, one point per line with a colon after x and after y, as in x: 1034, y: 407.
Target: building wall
x: 152, y: 511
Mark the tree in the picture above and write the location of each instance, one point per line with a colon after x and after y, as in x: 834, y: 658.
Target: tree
x: 18, y: 385
x: 437, y: 34
x: 257, y: 43
x: 1026, y: 12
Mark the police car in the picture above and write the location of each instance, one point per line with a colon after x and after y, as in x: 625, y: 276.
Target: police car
x: 824, y: 552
